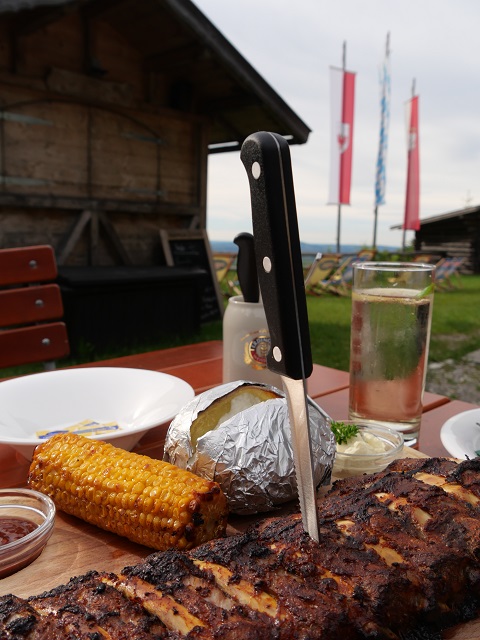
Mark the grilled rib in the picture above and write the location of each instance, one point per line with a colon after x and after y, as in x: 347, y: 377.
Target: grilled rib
x: 90, y: 600
x: 18, y: 619
x: 398, y: 557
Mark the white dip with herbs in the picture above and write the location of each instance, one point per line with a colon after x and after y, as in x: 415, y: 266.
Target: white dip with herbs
x: 364, y: 444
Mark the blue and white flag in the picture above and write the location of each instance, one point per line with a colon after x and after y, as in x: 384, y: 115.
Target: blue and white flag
x: 380, y: 180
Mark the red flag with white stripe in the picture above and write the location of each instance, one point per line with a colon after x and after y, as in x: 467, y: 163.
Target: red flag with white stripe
x: 412, y: 200
x: 342, y: 94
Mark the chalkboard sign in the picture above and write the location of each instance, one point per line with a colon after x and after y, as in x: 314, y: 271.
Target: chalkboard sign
x: 185, y: 248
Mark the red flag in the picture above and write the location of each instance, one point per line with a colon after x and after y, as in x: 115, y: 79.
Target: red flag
x: 342, y: 86
x: 412, y: 201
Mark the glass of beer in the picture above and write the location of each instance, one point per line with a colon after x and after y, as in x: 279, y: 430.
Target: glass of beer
x: 390, y: 334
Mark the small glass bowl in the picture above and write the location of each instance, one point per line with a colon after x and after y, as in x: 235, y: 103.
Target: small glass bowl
x: 356, y: 464
x: 25, y: 504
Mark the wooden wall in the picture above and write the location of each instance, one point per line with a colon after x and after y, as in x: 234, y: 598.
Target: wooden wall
x: 94, y: 166
x: 453, y: 236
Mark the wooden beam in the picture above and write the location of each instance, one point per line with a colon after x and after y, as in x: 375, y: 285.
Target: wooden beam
x: 73, y: 237
x: 94, y: 238
x: 95, y: 219
x: 96, y: 91
x: 37, y: 201
x: 114, y: 238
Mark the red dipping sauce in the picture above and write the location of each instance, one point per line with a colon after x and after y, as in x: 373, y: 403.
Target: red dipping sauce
x: 12, y: 528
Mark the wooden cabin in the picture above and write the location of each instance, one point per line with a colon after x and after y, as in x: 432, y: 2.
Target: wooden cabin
x: 108, y: 111
x: 455, y: 234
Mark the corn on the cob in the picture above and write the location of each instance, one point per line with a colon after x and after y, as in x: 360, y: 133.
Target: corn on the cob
x: 148, y: 501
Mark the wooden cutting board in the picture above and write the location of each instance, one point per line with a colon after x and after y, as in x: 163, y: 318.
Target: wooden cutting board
x: 77, y: 547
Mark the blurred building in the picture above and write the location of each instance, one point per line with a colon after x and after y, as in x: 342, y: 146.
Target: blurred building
x: 109, y: 109
x: 454, y: 234
x: 108, y: 112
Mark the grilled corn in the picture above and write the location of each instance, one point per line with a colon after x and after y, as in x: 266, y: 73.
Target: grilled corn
x: 148, y: 501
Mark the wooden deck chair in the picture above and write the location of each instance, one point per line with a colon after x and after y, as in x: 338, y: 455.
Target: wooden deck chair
x: 366, y: 255
x: 455, y: 280
x: 224, y: 264
x: 324, y: 268
x: 426, y: 258
x: 447, y: 273
x: 308, y: 259
x: 340, y: 282
x: 28, y: 302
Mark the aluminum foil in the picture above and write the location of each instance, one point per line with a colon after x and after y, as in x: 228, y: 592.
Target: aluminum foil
x: 250, y: 454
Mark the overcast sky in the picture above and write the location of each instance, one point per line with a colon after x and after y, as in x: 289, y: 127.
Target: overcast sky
x: 292, y: 44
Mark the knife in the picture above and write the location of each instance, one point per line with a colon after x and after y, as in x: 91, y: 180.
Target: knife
x: 266, y: 157
x: 247, y: 267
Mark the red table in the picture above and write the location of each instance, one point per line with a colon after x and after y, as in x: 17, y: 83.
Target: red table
x: 201, y: 366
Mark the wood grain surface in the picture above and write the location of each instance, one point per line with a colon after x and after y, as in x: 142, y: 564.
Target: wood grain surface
x: 77, y: 547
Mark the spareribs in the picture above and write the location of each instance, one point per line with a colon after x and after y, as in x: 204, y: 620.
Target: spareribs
x: 399, y: 557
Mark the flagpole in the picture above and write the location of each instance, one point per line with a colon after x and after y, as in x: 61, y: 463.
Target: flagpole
x: 339, y: 211
x: 404, y: 230
x: 375, y: 211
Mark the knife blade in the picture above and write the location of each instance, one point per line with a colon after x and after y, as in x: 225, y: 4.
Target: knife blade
x: 266, y: 157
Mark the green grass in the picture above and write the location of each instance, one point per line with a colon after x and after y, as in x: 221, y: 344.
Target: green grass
x: 455, y: 325
x: 455, y: 330
x: 456, y: 321
x: 329, y: 318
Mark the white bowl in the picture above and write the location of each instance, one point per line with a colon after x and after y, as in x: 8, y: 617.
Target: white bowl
x: 135, y: 399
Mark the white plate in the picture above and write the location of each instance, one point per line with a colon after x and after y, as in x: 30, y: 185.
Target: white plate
x: 460, y: 435
x: 136, y: 399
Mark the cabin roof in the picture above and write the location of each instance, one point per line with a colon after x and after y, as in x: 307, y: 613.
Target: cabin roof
x: 176, y: 39
x: 459, y: 213
x: 445, y: 217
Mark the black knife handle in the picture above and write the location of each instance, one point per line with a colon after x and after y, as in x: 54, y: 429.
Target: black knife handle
x: 266, y: 157
x: 247, y: 267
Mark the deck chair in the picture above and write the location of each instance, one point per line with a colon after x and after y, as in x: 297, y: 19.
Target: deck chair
x: 340, y: 282
x: 426, y: 258
x: 447, y: 276
x: 224, y: 264
x: 324, y: 268
x: 365, y: 255
x: 29, y: 301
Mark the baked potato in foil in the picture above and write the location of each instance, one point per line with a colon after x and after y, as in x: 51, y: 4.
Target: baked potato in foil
x: 238, y: 434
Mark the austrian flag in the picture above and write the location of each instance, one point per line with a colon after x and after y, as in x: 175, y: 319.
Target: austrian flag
x: 412, y: 200
x: 342, y: 95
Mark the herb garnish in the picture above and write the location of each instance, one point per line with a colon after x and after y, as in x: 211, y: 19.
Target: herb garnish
x: 425, y: 292
x: 343, y: 432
